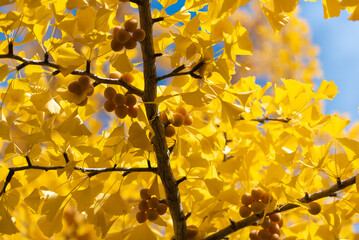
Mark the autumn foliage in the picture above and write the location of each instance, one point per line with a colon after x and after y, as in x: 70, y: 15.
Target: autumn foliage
x: 119, y: 120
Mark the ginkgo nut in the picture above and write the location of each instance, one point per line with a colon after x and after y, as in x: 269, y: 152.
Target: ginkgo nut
x: 74, y: 87
x: 84, y: 81
x: 274, y: 236
x: 170, y: 131
x: 266, y: 222
x: 139, y: 35
x: 314, y: 208
x: 152, y: 214
x: 116, y: 46
x: 90, y: 90
x: 109, y: 93
x: 163, y: 117
x: 253, y: 235
x: 246, y: 199
x: 131, y: 100
x: 178, y: 119
x: 153, y: 202
x: 121, y: 111
x: 182, y: 110
x: 257, y: 193
x: 257, y: 207
x: 132, y: 111
x: 264, y: 234
x: 265, y: 198
x: 131, y: 25
x: 161, y: 208
x: 245, y: 211
x: 191, y: 231
x: 128, y: 77
x: 274, y: 228
x: 109, y: 106
x: 188, y: 120
x: 131, y: 43
x: 119, y: 99
x: 83, y: 102
x: 114, y: 75
x: 144, y: 193
x: 141, y: 217
x: 143, y: 206
x: 275, y: 217
x: 122, y: 36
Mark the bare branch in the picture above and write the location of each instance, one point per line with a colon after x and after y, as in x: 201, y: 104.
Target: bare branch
x: 176, y: 72
x: 138, y: 2
x: 159, y: 19
x: 45, y: 62
x: 327, y: 192
x: 91, y: 171
x: 266, y: 119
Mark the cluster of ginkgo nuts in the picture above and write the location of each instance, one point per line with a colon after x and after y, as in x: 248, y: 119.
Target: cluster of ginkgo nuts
x: 122, y: 37
x: 256, y: 203
x: 80, y: 86
x: 178, y: 119
x: 123, y: 105
x: 150, y: 207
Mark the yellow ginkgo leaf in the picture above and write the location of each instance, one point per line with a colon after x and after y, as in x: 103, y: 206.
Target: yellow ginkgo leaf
x: 115, y: 205
x: 33, y: 200
x: 52, y: 206
x: 197, y: 98
x: 138, y: 137
x: 7, y: 226
x: 73, y: 126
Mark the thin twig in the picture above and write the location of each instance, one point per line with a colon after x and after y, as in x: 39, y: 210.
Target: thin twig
x: 266, y: 119
x: 176, y: 72
x: 45, y: 62
x: 327, y: 192
x: 91, y: 171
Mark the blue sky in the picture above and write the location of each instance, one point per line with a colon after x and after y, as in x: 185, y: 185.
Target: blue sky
x: 338, y: 40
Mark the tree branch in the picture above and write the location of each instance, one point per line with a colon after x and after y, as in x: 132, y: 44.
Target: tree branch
x: 159, y: 140
x: 266, y: 119
x: 176, y: 72
x: 45, y: 62
x: 327, y: 192
x: 91, y: 171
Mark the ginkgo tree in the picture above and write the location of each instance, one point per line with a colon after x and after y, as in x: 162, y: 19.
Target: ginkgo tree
x: 96, y: 143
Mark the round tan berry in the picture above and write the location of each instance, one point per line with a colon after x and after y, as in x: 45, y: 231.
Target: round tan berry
x: 116, y: 46
x: 253, y: 235
x: 119, y: 99
x: 114, y: 75
x: 109, y: 106
x: 122, y: 36
x: 266, y: 223
x: 74, y: 87
x: 178, y: 119
x: 152, y: 214
x: 170, y: 131
x: 265, y: 198
x: 314, y: 208
x: 275, y: 217
x: 131, y: 44
x: 121, y: 111
x: 182, y: 111
x: 132, y: 111
x: 257, y: 207
x: 153, y: 202
x: 188, y: 120
x: 109, y: 93
x: 131, y: 25
x: 257, y: 194
x: 274, y: 228
x: 131, y: 100
x: 144, y: 193
x: 139, y: 35
x: 264, y: 234
x: 245, y: 211
x: 143, y: 206
x: 275, y: 236
x: 90, y: 90
x: 84, y: 102
x: 84, y: 81
x: 163, y: 117
x: 191, y: 231
x: 115, y: 31
x: 280, y: 223
x: 161, y: 208
x: 141, y: 217
x: 246, y: 199
x: 128, y: 77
